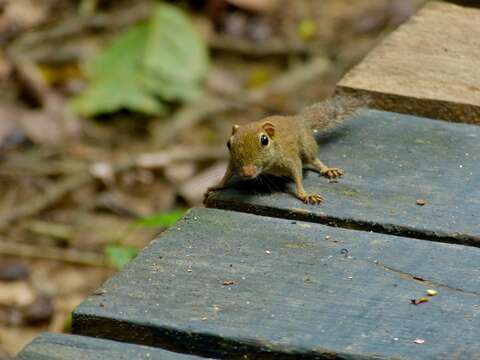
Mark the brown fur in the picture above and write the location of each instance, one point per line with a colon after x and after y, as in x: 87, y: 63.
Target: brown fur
x: 291, y: 144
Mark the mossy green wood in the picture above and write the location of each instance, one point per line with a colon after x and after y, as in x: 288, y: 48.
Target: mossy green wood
x: 71, y: 347
x: 229, y: 284
x: 390, y: 162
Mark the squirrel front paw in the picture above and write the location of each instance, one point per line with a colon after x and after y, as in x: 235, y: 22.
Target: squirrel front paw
x: 207, y: 193
x: 311, y: 199
x: 331, y: 173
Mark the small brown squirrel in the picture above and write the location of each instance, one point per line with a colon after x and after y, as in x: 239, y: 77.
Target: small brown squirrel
x: 282, y: 145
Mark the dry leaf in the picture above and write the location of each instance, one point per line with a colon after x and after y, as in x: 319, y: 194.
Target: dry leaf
x: 23, y: 14
x: 179, y: 173
x: 42, y: 127
x: 194, y: 189
x: 16, y: 294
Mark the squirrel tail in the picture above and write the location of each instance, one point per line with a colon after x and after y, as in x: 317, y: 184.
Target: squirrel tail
x: 334, y: 110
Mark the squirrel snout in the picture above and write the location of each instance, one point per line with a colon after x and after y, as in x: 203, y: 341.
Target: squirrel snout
x: 248, y: 171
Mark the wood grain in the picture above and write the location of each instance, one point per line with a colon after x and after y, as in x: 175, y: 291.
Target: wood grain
x: 241, y: 286
x: 428, y: 67
x: 71, y: 347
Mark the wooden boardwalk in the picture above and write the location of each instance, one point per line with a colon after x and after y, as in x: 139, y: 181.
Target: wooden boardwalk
x: 226, y: 284
x: 260, y: 275
x: 428, y: 67
x: 391, y: 161
x: 69, y: 347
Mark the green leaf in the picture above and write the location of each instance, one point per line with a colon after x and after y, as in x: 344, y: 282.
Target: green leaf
x: 159, y: 61
x: 175, y: 54
x: 307, y: 29
x: 161, y: 220
x: 120, y: 255
x: 117, y: 79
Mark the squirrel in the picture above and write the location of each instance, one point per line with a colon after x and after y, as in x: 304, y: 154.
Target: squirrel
x: 282, y: 145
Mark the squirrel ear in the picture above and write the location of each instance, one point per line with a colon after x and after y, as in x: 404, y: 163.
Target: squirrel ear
x: 269, y: 128
x: 235, y: 128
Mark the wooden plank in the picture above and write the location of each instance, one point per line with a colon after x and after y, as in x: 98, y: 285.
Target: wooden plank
x: 71, y: 347
x: 228, y: 284
x: 390, y: 160
x: 427, y: 67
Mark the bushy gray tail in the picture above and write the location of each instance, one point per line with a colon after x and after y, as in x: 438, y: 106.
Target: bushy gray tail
x: 334, y: 110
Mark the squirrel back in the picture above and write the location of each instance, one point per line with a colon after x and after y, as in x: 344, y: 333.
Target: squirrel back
x: 332, y: 111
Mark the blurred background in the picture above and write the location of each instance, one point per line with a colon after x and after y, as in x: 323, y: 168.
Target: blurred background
x: 114, y: 117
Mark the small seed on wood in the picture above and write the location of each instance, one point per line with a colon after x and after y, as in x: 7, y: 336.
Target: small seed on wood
x: 420, y: 300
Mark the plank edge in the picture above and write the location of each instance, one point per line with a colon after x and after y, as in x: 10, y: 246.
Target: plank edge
x: 422, y: 107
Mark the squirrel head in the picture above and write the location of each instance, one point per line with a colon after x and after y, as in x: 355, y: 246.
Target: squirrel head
x: 252, y: 147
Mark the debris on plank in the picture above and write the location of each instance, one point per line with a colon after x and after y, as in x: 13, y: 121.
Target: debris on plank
x: 420, y: 300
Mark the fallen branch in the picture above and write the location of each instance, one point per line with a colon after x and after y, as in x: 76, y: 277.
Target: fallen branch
x: 30, y: 76
x: 75, y: 26
x: 75, y: 181
x: 41, y: 202
x: 180, y: 154
x: 53, y: 253
x: 273, y: 47
x: 210, y: 106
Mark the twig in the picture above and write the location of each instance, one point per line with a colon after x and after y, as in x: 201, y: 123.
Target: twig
x: 209, y: 106
x: 25, y: 167
x: 186, y: 117
x: 291, y: 81
x: 179, y: 154
x: 273, y: 47
x: 53, y: 253
x: 33, y: 81
x: 30, y: 76
x: 53, y: 52
x: 61, y: 232
x: 77, y: 25
x: 51, y: 196
x: 75, y: 181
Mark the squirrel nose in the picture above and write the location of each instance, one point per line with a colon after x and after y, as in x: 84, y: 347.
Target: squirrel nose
x: 248, y: 171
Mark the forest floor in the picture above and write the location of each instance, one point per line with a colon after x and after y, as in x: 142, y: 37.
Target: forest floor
x: 79, y: 195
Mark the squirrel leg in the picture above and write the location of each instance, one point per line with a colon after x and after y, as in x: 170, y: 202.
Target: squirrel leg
x: 221, y: 185
x: 326, y: 171
x: 301, y: 193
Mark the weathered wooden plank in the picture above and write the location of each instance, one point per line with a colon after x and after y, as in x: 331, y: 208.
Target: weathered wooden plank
x: 72, y: 347
x: 427, y: 67
x: 230, y: 284
x: 390, y: 160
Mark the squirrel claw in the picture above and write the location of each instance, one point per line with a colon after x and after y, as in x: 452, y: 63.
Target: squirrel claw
x: 207, y: 193
x: 312, y: 199
x: 331, y: 173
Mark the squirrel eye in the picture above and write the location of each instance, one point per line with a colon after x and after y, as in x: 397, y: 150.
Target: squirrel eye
x: 229, y: 145
x: 264, y: 140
